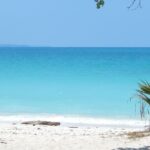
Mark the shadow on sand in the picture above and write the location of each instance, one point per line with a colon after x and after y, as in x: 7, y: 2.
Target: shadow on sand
x: 141, y: 148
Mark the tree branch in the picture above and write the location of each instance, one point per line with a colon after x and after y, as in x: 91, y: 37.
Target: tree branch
x: 133, y: 3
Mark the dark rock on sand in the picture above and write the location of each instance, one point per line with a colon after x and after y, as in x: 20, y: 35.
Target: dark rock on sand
x: 48, y: 123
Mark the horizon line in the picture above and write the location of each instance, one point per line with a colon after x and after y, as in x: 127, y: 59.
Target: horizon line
x: 48, y: 46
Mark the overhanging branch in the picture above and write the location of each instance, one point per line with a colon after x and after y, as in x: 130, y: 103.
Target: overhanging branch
x: 135, y: 2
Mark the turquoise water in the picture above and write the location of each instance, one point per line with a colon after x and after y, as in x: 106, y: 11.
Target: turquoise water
x: 72, y: 81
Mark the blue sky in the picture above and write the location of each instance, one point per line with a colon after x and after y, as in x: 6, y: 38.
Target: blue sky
x: 73, y: 23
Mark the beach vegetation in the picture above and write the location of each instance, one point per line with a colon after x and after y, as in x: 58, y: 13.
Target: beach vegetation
x: 143, y: 95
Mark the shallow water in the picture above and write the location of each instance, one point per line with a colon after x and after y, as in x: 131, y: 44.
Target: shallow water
x: 72, y: 81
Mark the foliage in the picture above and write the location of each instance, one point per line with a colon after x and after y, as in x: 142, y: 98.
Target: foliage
x: 136, y: 3
x: 143, y: 94
x: 99, y: 3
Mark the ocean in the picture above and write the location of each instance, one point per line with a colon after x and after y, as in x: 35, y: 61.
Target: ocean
x: 96, y: 82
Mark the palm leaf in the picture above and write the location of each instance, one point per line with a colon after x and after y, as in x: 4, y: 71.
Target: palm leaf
x: 143, y: 93
x: 144, y: 97
x: 144, y: 87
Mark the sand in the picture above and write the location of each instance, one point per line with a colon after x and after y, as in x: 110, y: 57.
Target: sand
x: 40, y: 137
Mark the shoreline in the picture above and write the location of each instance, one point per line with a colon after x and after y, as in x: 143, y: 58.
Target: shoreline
x: 78, y: 121
x: 83, y: 133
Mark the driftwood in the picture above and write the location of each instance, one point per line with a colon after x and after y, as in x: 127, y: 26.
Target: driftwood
x: 48, y: 123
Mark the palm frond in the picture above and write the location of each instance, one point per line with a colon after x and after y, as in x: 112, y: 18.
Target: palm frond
x: 143, y: 94
x: 144, y: 87
x: 143, y: 97
x: 144, y: 91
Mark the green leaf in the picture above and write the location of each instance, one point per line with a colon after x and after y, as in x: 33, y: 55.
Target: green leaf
x: 100, y: 3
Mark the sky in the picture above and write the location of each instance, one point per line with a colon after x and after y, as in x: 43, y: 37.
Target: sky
x: 68, y: 23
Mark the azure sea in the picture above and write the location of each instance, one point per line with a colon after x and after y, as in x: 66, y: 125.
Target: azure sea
x: 72, y: 81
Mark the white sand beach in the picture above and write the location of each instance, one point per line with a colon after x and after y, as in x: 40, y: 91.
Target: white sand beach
x: 16, y: 136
